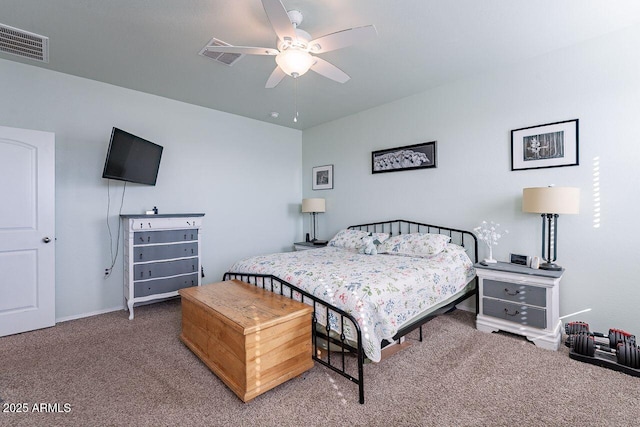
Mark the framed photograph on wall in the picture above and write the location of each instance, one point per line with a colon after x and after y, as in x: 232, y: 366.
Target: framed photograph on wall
x: 418, y: 156
x: 545, y: 146
x: 322, y: 178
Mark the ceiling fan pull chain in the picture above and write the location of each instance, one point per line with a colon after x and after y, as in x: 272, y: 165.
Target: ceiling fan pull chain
x: 295, y: 98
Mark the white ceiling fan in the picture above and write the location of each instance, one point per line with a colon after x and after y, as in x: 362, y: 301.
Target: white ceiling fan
x: 296, y: 50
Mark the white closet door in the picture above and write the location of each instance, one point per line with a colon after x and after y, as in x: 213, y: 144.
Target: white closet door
x: 27, y: 230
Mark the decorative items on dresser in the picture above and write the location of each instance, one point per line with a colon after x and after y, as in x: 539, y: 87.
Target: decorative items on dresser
x: 161, y: 256
x: 520, y: 300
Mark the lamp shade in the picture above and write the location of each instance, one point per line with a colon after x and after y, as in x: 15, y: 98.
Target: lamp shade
x: 313, y: 205
x: 551, y: 200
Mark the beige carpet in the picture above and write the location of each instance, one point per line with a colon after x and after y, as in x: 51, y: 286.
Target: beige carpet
x: 110, y: 371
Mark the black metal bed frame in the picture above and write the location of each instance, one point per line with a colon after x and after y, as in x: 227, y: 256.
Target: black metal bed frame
x: 342, y: 361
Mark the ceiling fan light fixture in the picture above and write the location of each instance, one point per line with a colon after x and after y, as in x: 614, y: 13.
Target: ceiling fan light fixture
x: 294, y: 61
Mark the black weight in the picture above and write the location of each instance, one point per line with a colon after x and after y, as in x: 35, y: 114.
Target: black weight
x: 576, y: 327
x: 619, y: 336
x: 620, y: 354
x: 623, y: 354
x: 633, y: 356
x: 629, y: 355
x: 584, y: 344
x: 571, y: 339
x: 591, y: 346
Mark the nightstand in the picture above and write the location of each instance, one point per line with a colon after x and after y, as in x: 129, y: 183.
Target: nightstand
x: 303, y: 246
x: 520, y: 300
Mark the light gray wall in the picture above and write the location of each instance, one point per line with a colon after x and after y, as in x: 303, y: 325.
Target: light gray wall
x: 245, y: 175
x: 596, y: 82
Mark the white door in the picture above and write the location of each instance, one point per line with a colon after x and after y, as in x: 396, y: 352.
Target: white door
x: 27, y: 241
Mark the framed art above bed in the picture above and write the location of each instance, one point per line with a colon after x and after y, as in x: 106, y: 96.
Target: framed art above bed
x: 409, y: 157
x: 545, y: 146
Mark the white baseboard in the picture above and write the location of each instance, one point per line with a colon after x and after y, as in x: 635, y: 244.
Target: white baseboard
x: 93, y: 313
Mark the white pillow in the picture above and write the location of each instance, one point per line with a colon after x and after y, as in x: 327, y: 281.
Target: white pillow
x: 348, y: 239
x: 415, y: 244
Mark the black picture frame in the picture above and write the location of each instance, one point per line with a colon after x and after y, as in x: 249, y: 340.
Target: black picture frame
x: 322, y: 177
x: 408, y: 157
x: 550, y: 145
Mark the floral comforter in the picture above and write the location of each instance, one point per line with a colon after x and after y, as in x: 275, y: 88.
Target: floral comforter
x: 381, y: 291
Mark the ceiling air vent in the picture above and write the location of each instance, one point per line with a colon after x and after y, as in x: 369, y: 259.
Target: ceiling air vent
x: 225, y: 58
x: 23, y: 43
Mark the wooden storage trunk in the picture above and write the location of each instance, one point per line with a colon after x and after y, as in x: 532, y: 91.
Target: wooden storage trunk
x: 252, y: 339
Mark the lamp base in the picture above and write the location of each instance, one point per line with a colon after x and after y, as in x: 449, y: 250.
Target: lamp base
x: 551, y: 266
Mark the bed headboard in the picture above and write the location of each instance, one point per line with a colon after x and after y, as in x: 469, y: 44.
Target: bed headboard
x: 464, y: 238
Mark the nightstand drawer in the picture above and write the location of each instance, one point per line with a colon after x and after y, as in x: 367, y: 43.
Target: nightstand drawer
x: 518, y: 313
x: 524, y: 294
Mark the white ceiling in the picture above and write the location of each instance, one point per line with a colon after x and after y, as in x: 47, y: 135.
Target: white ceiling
x: 152, y: 46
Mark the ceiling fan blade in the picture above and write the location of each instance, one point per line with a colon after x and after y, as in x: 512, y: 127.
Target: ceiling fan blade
x: 275, y: 78
x: 245, y: 50
x: 329, y: 70
x: 342, y: 39
x: 279, y: 19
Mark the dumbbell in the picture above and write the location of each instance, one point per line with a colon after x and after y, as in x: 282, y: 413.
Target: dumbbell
x: 626, y: 353
x: 614, y: 336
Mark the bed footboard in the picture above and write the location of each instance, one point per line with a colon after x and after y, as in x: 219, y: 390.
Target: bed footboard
x: 342, y: 355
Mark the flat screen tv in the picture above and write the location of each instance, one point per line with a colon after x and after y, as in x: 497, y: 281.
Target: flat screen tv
x: 131, y: 158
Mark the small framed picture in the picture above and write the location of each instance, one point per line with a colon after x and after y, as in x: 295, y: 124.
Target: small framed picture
x: 322, y: 178
x: 545, y: 146
x: 417, y: 156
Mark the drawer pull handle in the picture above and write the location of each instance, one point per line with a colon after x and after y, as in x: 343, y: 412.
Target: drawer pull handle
x: 506, y: 291
x: 506, y: 311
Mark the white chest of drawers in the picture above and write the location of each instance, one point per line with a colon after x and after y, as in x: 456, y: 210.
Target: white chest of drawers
x: 520, y: 300
x: 161, y: 256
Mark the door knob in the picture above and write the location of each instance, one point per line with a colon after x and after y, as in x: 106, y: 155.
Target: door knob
x: 46, y: 240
